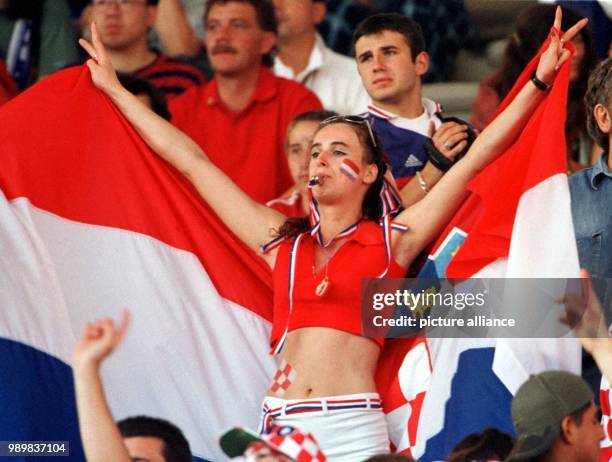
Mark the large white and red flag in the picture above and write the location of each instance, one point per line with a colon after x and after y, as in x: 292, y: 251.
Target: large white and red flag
x: 516, y: 223
x: 91, y: 221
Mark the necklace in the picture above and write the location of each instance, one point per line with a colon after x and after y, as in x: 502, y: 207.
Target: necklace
x: 324, y: 284
x: 322, y: 287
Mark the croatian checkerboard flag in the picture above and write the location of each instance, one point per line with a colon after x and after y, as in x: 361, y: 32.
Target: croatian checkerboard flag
x: 91, y: 221
x: 516, y: 224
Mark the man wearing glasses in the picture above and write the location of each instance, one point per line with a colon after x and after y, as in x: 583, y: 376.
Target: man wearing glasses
x: 123, y: 27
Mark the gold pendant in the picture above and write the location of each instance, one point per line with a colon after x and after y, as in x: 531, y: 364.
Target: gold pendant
x: 322, y: 287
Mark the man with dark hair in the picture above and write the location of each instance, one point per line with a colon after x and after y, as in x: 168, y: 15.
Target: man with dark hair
x: 598, y: 101
x: 391, y: 59
x: 303, y: 56
x: 123, y: 26
x: 240, y: 117
x: 591, y: 194
x: 266, y: 20
x: 555, y: 420
x: 143, y: 434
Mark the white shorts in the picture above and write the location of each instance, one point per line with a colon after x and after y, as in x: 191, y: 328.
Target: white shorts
x: 348, y: 428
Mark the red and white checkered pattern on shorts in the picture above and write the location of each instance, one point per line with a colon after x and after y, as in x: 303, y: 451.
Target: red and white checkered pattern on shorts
x: 284, y: 377
x: 295, y: 444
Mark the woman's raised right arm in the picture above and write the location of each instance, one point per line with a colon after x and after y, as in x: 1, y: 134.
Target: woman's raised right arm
x: 250, y: 221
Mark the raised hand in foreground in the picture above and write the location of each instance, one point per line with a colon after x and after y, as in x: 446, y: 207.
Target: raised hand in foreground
x: 101, y: 438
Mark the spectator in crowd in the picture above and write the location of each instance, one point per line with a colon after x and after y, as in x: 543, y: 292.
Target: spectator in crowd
x: 41, y: 37
x: 123, y: 26
x: 154, y: 440
x: 299, y: 137
x: 490, y: 444
x: 555, y: 420
x: 591, y: 189
x: 135, y: 438
x: 303, y: 56
x: 391, y: 57
x: 530, y: 30
x: 591, y: 194
x: 278, y: 444
x: 240, y: 118
x: 447, y: 28
x: 324, y: 359
x: 147, y: 93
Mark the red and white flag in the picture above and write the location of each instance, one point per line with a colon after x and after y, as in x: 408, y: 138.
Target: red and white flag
x: 516, y: 223
x: 92, y: 221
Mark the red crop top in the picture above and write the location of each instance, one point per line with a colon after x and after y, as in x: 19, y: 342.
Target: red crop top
x: 362, y: 256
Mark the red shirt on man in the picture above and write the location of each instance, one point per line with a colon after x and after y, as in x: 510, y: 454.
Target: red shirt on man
x: 247, y: 146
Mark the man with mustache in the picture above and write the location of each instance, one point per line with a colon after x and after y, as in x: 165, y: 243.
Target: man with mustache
x: 123, y: 27
x: 241, y: 116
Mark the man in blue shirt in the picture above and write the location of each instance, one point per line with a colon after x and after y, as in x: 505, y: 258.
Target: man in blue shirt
x: 591, y: 193
x: 591, y: 188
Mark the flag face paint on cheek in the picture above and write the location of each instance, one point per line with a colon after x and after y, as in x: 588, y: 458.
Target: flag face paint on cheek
x: 350, y: 169
x: 282, y: 380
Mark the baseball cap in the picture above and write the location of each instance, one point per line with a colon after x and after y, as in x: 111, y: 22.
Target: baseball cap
x: 538, y: 408
x: 290, y: 441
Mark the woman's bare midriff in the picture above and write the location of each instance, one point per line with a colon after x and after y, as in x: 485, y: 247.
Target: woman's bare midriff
x: 328, y: 362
